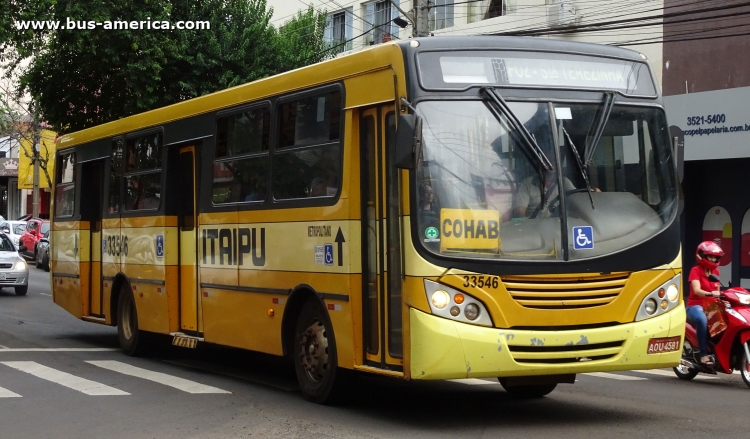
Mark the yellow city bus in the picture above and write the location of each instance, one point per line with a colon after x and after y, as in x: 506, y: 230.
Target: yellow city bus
x: 439, y: 208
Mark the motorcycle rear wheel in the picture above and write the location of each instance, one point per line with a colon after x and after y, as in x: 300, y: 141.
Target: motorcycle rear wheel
x: 684, y: 372
x: 745, y: 371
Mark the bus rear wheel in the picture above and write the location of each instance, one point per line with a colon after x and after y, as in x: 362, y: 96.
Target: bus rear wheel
x: 315, y: 361
x: 132, y: 341
x: 528, y: 391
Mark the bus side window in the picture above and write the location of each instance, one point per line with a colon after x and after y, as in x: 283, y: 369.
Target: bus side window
x: 65, y: 187
x: 240, y: 171
x: 143, y: 172
x: 307, y: 162
x: 115, y: 177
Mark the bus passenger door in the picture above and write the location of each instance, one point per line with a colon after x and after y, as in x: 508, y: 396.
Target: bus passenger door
x: 91, y: 212
x: 190, y: 310
x: 381, y: 241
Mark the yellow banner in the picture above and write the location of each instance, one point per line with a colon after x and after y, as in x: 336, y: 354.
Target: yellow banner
x: 468, y: 229
x: 25, y: 165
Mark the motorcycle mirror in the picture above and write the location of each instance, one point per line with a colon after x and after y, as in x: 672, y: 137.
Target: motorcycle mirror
x: 713, y: 278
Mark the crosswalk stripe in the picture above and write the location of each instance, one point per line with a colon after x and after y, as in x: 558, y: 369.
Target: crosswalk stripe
x: 474, y: 381
x: 4, y: 349
x: 5, y: 393
x: 614, y: 376
x: 64, y: 379
x: 157, y: 377
x: 669, y: 373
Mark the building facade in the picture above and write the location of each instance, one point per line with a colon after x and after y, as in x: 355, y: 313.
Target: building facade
x: 706, y: 83
x: 354, y: 25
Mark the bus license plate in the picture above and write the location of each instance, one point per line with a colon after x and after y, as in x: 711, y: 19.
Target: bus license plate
x: 666, y: 344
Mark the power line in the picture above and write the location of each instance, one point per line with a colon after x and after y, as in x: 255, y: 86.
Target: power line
x: 602, y: 26
x: 686, y: 39
x: 344, y: 42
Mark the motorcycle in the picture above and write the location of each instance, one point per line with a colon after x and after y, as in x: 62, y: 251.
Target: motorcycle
x: 730, y: 349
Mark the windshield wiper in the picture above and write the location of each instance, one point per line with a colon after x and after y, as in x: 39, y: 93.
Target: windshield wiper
x: 609, y: 102
x: 583, y: 169
x: 516, y: 126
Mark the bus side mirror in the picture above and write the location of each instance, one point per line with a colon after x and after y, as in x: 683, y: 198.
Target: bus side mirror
x: 408, y: 141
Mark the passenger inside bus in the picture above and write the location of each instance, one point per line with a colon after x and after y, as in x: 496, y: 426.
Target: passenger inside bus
x: 528, y: 198
x: 428, y: 203
x: 324, y: 186
x: 429, y: 213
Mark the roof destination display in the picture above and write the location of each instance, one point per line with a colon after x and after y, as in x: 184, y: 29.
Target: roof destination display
x: 537, y: 70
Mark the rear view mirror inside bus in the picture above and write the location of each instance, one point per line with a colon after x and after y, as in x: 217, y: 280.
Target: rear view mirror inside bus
x: 407, y: 141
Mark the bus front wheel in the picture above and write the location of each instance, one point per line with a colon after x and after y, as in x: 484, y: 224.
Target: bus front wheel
x: 315, y: 359
x: 132, y: 340
x: 528, y: 391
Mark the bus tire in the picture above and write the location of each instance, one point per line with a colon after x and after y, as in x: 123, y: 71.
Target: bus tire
x: 132, y: 340
x: 528, y: 391
x: 314, y: 354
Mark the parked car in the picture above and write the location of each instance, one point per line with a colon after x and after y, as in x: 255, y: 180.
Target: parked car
x: 13, y: 269
x: 14, y: 230
x: 42, y: 252
x: 35, y: 229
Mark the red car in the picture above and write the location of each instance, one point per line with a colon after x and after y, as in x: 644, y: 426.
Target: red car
x: 35, y: 230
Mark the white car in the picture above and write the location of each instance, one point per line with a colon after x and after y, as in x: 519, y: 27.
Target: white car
x: 13, y: 229
x: 13, y: 269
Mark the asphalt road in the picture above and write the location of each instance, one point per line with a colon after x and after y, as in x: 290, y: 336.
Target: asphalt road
x: 63, y: 378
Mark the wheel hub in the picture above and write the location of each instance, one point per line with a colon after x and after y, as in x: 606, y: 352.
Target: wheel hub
x: 314, y: 351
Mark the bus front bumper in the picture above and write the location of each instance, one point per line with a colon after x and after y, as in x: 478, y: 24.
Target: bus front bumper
x: 446, y: 349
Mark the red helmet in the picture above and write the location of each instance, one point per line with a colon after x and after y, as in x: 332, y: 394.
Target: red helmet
x: 708, y: 248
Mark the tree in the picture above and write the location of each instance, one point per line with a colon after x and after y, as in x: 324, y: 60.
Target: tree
x: 81, y: 78
x: 237, y: 49
x: 22, y: 128
x: 17, y: 44
x: 299, y: 41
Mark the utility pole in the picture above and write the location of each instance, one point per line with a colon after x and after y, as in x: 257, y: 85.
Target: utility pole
x: 419, y: 17
x: 35, y: 153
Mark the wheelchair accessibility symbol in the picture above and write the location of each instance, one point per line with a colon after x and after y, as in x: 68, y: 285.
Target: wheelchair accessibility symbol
x: 583, y: 238
x: 328, y: 252
x: 159, y: 246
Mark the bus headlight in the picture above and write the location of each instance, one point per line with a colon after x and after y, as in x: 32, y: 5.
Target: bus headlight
x: 673, y: 293
x: 663, y: 299
x: 471, y: 311
x: 452, y: 304
x: 440, y: 299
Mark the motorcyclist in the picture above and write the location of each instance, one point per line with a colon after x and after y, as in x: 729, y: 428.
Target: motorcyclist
x: 707, y: 255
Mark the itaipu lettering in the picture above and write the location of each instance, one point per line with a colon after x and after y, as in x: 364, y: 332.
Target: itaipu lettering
x: 471, y: 229
x: 232, y: 246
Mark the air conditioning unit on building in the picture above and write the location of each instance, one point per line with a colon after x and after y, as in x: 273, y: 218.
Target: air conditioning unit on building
x: 562, y: 13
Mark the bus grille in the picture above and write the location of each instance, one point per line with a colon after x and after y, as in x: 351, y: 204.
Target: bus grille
x: 572, y: 353
x: 562, y: 293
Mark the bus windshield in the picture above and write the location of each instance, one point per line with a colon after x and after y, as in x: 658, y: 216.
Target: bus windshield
x: 481, y: 194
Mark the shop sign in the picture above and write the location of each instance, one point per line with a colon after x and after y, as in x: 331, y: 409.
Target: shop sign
x: 715, y: 124
x: 8, y: 167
